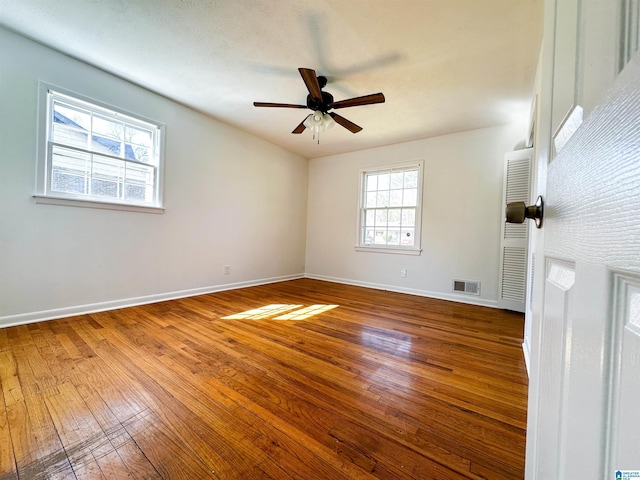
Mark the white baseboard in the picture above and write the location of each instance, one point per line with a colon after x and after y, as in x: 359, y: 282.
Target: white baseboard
x: 39, y: 316
x: 412, y: 291
x: 31, y: 317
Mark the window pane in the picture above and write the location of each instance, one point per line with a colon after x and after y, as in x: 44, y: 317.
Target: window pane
x: 394, y: 217
x: 105, y: 127
x: 406, y: 237
x: 108, y: 168
x: 393, y: 237
x: 381, y: 217
x: 411, y: 179
x: 134, y: 191
x: 371, y: 200
x: 369, y: 235
x: 136, y: 152
x: 141, y: 174
x: 69, y: 171
x: 104, y: 188
x: 70, y: 116
x: 408, y: 217
x: 106, y: 145
x: 74, y: 137
x: 136, y: 136
x: 395, y: 198
x: 71, y: 160
x: 138, y: 182
x: 107, y: 177
x: 410, y: 198
x: 70, y: 126
x: 383, y: 181
x: 372, y: 183
x: 369, y: 218
x: 65, y: 182
x: 397, y: 179
x: 382, y: 199
x: 380, y: 237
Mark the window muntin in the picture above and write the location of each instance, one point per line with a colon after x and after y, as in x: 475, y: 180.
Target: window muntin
x: 99, y: 154
x: 390, y: 201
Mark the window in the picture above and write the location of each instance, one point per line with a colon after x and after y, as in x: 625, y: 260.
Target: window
x: 389, y: 214
x: 96, y: 154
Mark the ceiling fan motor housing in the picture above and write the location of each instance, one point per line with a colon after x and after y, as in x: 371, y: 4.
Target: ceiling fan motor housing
x: 313, y: 104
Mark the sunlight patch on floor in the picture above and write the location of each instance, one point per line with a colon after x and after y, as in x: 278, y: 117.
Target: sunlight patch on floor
x: 262, y: 312
x: 277, y: 311
x: 305, y: 312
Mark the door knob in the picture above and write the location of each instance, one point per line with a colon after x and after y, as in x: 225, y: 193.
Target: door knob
x: 517, y: 212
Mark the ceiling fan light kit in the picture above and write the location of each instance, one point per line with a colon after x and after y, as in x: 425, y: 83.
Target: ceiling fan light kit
x: 318, y: 122
x: 321, y: 102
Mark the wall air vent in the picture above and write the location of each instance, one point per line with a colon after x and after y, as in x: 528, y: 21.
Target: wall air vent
x: 463, y: 286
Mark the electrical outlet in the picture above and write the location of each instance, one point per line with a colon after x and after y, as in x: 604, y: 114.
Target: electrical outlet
x: 227, y: 270
x: 403, y: 273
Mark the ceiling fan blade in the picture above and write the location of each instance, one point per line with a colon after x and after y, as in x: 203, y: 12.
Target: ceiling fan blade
x: 282, y: 105
x: 300, y: 128
x: 349, y: 125
x: 311, y: 81
x: 354, y: 102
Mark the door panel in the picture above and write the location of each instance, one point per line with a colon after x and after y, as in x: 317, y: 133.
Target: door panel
x: 624, y: 449
x: 559, y: 282
x: 585, y: 369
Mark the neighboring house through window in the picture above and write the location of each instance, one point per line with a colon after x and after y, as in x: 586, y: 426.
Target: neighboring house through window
x: 95, y: 153
x: 390, y: 209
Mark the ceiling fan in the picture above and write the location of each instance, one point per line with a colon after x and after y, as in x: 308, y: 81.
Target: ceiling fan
x: 321, y: 102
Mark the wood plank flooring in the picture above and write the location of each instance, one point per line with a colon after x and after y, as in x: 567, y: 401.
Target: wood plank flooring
x: 384, y: 385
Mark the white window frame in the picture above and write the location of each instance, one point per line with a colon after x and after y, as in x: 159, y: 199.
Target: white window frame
x: 45, y: 195
x: 415, y: 249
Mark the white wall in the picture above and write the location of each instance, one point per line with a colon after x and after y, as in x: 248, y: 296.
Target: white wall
x: 230, y: 199
x: 461, y: 215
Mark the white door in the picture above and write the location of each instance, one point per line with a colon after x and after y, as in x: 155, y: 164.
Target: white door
x: 584, y: 399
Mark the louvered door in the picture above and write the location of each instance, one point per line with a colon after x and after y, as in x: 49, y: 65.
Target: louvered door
x: 514, y: 240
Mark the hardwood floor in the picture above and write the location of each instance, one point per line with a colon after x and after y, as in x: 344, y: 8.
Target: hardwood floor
x: 385, y: 385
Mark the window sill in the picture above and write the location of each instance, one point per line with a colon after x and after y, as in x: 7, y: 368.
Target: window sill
x: 73, y: 202
x: 397, y: 251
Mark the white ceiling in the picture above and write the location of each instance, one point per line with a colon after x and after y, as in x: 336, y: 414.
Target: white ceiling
x: 444, y: 66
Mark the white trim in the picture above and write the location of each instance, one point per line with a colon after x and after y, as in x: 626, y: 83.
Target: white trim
x: 93, y: 152
x: 379, y: 249
x: 32, y: 317
x: 393, y: 167
x: 81, y: 202
x: 531, y: 129
x: 525, y: 351
x: 43, y: 315
x: 411, y: 291
x: 630, y: 36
